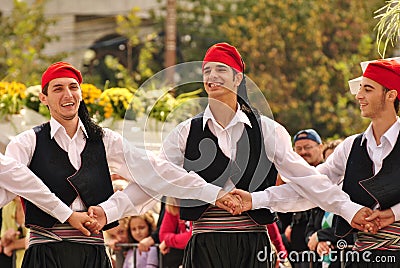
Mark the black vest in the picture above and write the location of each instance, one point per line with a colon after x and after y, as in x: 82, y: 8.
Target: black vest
x: 366, y: 189
x: 252, y: 170
x: 92, y: 182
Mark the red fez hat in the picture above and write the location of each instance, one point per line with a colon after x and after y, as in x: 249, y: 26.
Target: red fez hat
x: 224, y: 53
x: 386, y: 73
x: 59, y: 70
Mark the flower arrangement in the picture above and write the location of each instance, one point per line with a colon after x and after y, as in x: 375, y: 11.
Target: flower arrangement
x: 12, y: 95
x: 160, y: 103
x: 98, y: 107
x: 123, y: 103
x: 32, y: 100
x: 32, y: 97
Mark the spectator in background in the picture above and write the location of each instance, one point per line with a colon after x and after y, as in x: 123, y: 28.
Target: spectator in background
x: 5, y: 261
x: 153, y: 238
x: 13, y: 231
x: 119, y: 183
x: 308, y: 144
x: 330, y: 147
x: 140, y: 227
x: 117, y: 235
x: 276, y: 239
x: 174, y: 235
x: 320, y: 233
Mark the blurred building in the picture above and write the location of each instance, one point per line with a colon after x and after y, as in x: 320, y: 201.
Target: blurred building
x: 87, y: 31
x: 85, y: 24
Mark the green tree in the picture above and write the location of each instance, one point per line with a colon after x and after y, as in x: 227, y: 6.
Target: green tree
x: 24, y: 35
x: 300, y: 53
x: 129, y: 26
x: 198, y: 21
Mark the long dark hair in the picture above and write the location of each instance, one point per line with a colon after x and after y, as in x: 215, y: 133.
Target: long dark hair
x: 243, y: 99
x: 94, y: 131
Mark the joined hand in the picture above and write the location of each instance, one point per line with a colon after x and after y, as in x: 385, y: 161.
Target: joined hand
x: 88, y: 222
x: 367, y: 220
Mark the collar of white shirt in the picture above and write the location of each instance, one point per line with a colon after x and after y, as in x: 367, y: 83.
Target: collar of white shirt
x: 55, y: 126
x: 391, y: 134
x: 239, y: 117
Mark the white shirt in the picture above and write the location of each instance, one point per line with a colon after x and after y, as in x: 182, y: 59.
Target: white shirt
x: 149, y: 177
x: 335, y: 166
x: 305, y: 187
x: 17, y: 179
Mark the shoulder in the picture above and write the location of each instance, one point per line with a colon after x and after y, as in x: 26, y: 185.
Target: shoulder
x: 111, y: 134
x: 266, y: 121
x: 27, y: 138
x: 271, y: 127
x: 184, y: 124
x: 181, y: 131
x: 348, y: 142
x: 26, y: 133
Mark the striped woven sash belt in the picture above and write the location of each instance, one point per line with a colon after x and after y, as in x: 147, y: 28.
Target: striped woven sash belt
x: 62, y: 232
x: 387, y: 238
x: 216, y: 219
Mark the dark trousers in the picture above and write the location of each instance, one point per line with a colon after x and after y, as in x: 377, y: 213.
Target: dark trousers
x: 227, y: 250
x: 66, y: 255
x: 5, y: 261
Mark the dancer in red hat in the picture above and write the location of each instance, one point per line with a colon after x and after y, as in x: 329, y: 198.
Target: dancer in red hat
x: 231, y: 145
x: 74, y: 157
x: 367, y: 165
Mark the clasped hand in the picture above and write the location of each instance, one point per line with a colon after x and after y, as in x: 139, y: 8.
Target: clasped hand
x: 235, y: 202
x: 365, y: 220
x: 368, y: 220
x: 88, y: 222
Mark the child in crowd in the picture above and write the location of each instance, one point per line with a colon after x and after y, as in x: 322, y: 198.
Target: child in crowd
x: 140, y: 227
x: 114, y: 236
x: 174, y: 235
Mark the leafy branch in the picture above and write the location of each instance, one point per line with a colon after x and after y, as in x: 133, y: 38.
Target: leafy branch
x: 388, y: 26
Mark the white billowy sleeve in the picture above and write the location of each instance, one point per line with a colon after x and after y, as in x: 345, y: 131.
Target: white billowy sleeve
x: 150, y: 177
x: 17, y: 179
x: 303, y: 180
x: 335, y: 166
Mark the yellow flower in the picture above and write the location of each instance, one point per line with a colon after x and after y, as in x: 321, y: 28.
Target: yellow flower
x: 119, y: 100
x: 12, y: 95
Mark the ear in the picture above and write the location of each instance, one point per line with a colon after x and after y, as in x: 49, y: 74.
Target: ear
x: 392, y: 95
x: 238, y: 79
x: 43, y: 98
x: 80, y: 93
x: 321, y: 146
